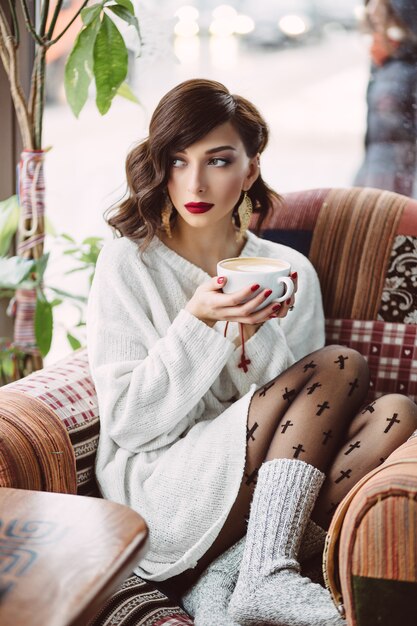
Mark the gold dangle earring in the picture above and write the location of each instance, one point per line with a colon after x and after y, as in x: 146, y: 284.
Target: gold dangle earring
x: 245, y: 210
x: 166, y: 218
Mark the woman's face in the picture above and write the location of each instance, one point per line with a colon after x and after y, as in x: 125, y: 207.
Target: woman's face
x: 206, y: 179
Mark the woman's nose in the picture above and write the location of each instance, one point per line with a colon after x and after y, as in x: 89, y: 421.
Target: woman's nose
x: 196, y: 182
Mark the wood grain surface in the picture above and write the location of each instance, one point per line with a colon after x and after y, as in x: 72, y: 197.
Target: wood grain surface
x: 62, y: 555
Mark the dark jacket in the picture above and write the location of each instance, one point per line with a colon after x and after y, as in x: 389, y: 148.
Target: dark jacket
x: 390, y: 144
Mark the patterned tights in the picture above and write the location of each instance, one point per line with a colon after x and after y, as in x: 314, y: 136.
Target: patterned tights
x: 315, y: 412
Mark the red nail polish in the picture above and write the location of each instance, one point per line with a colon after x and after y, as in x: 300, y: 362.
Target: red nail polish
x: 276, y: 307
x: 294, y: 275
x: 220, y: 280
x: 272, y: 316
x: 254, y: 288
x: 267, y: 293
x: 288, y: 301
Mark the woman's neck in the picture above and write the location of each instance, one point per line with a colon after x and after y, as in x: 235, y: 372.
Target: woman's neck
x: 203, y: 248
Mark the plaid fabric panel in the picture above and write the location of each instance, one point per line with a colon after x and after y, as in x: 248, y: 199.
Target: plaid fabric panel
x: 390, y: 349
x: 66, y: 387
x: 138, y: 603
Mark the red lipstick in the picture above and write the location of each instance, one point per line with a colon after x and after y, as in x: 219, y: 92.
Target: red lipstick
x: 198, y: 207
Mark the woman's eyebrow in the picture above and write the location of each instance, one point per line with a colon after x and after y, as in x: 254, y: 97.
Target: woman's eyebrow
x: 219, y: 148
x: 210, y: 151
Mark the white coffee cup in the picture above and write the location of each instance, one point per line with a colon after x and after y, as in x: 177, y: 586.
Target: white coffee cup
x: 267, y: 273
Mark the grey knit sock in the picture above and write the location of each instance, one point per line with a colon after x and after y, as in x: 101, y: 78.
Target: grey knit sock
x: 312, y: 542
x: 310, y: 555
x: 270, y: 589
x: 208, y: 599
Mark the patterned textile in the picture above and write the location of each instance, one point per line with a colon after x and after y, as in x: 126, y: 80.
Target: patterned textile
x: 67, y: 389
x: 399, y: 296
x: 31, y: 189
x: 390, y: 349
x: 350, y: 249
x: 138, y: 603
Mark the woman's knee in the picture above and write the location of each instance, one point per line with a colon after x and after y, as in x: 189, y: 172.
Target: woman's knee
x: 397, y: 410
x: 345, y: 357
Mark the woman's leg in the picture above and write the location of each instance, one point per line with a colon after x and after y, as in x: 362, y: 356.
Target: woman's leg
x: 287, y: 418
x: 376, y: 431
x: 310, y: 412
x: 287, y: 489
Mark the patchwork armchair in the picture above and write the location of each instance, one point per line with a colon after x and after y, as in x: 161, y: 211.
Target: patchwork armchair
x: 363, y: 243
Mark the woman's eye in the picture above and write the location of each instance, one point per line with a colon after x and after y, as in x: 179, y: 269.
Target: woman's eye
x: 219, y: 162
x: 176, y: 162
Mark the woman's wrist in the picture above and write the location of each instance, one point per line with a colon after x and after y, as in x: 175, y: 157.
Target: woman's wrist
x: 206, y: 321
x: 248, y: 331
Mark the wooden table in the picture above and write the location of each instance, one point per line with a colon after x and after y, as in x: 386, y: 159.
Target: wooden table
x: 61, y: 556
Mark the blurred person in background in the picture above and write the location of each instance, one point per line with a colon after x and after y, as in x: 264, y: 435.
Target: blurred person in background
x: 390, y: 142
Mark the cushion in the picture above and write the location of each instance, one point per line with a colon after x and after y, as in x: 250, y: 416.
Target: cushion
x: 390, y: 349
x: 399, y: 295
x: 137, y: 602
x: 345, y: 232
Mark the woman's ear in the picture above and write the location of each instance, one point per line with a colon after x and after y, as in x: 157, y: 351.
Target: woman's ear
x: 252, y: 173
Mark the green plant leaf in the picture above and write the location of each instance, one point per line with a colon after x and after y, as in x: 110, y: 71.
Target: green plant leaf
x: 66, y: 294
x: 14, y: 271
x: 79, y: 67
x: 125, y: 15
x: 125, y: 92
x: 9, y: 221
x: 92, y: 241
x: 43, y: 323
x: 56, y: 302
x: 127, y: 4
x: 89, y: 14
x: 7, y: 366
x: 110, y: 63
x: 73, y: 341
x: 67, y: 237
x: 40, y: 266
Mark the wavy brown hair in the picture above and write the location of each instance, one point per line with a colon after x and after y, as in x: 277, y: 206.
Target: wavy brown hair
x: 183, y: 116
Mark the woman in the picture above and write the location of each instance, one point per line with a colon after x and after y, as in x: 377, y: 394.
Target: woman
x: 192, y: 435
x: 390, y: 144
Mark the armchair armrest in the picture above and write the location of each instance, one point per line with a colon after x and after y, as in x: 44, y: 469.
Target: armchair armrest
x: 370, y: 558
x: 49, y: 427
x: 35, y: 448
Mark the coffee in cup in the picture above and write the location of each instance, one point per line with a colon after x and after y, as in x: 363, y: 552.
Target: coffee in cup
x: 267, y: 273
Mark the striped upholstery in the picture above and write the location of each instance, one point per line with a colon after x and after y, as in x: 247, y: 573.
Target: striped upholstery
x: 67, y: 389
x: 372, y: 540
x: 376, y: 317
x: 363, y: 244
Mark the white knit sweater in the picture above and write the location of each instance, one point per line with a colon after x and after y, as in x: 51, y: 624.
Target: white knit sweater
x: 173, y: 402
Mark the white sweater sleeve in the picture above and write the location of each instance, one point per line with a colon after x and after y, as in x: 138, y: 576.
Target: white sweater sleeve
x: 146, y: 385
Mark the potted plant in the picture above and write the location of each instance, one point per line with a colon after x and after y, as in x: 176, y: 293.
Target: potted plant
x: 99, y: 52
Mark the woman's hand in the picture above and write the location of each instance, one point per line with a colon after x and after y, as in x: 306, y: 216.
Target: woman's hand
x: 209, y: 304
x: 250, y: 329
